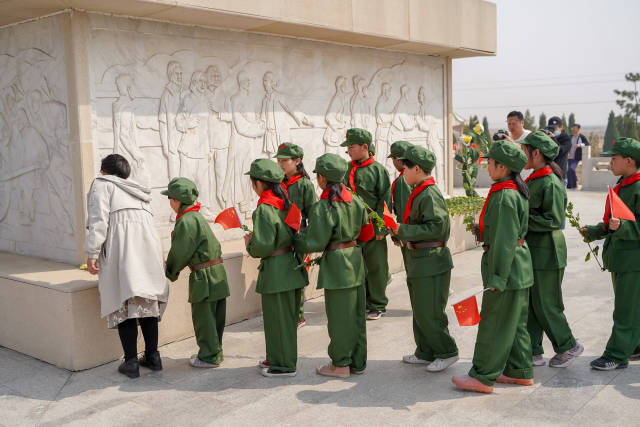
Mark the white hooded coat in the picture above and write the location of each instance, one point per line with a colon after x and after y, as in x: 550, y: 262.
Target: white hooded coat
x: 123, y: 238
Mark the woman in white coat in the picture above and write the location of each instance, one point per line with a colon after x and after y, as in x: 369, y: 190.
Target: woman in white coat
x: 123, y: 248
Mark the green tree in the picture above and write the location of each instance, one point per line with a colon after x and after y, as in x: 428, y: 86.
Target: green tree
x: 529, y: 121
x: 629, y: 100
x: 564, y: 122
x: 542, y: 121
x: 485, y: 125
x: 611, y: 133
x: 629, y: 126
x: 572, y: 120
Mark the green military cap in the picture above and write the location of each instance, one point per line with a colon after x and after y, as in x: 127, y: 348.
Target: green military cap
x: 542, y: 142
x: 289, y: 150
x: 626, y: 147
x: 357, y: 136
x: 182, y: 190
x: 266, y: 170
x: 508, y: 154
x: 420, y: 156
x: 398, y: 148
x: 331, y: 166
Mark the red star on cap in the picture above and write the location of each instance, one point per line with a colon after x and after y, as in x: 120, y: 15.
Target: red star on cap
x: 282, y: 147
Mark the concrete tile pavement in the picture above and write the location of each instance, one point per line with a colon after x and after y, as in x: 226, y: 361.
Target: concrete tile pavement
x: 389, y: 393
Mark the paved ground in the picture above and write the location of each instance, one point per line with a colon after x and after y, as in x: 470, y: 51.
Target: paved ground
x: 389, y: 393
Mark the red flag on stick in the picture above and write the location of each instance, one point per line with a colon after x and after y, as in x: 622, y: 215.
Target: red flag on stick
x: 618, y: 208
x: 467, y: 311
x: 389, y: 221
x: 306, y: 259
x: 294, y: 217
x: 229, y: 218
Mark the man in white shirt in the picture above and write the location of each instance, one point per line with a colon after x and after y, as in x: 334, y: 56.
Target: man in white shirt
x: 515, y: 122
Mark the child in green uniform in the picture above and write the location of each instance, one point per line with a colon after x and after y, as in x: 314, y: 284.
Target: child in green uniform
x: 335, y: 224
x: 547, y: 204
x: 193, y: 244
x: 399, y: 189
x: 621, y: 255
x: 278, y: 278
x: 503, y: 348
x: 371, y: 182
x: 300, y: 191
x: 425, y: 230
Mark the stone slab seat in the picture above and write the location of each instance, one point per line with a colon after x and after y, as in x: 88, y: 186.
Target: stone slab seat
x: 51, y: 310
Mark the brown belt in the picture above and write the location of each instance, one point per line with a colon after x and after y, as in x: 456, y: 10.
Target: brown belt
x: 422, y: 245
x: 205, y: 264
x: 487, y: 247
x: 336, y: 246
x: 281, y: 251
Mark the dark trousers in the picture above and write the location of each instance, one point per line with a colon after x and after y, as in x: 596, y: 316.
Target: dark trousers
x: 128, y: 332
x: 572, y: 178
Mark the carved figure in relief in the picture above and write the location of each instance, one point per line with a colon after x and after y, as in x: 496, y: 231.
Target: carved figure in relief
x: 384, y: 116
x: 361, y: 114
x: 124, y: 130
x: 273, y: 114
x: 219, y: 128
x: 170, y: 99
x: 401, y: 122
x: 192, y: 121
x: 433, y: 127
x: 337, y: 118
x: 246, y: 130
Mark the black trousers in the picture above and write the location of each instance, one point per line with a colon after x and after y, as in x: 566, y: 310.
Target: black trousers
x: 128, y: 331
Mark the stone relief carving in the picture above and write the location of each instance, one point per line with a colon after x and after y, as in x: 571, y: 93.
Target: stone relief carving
x: 170, y: 99
x: 384, y: 116
x: 360, y: 106
x: 337, y: 118
x: 402, y: 122
x: 434, y: 129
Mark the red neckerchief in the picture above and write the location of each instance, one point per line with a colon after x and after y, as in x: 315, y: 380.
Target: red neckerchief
x: 271, y: 199
x: 627, y: 181
x: 539, y: 173
x: 194, y: 208
x: 346, y: 195
x: 295, y: 178
x: 498, y: 186
x: 393, y: 185
x: 426, y: 183
x: 354, y: 167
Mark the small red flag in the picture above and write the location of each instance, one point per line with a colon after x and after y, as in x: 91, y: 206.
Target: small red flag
x: 229, y: 218
x: 618, y: 208
x: 367, y: 232
x: 306, y: 259
x: 294, y: 217
x: 467, y: 311
x: 389, y: 221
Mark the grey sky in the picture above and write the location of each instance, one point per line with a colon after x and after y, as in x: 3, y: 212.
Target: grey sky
x: 556, y: 56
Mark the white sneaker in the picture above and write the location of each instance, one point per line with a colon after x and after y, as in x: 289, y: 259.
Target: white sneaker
x: 412, y: 359
x: 197, y: 363
x: 562, y: 360
x: 267, y: 373
x: 538, y: 360
x: 441, y: 364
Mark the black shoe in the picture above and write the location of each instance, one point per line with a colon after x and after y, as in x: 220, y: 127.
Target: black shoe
x: 151, y: 361
x: 130, y: 368
x: 603, y: 364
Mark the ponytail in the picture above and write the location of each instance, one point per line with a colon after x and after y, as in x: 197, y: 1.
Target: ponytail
x: 335, y: 192
x: 300, y: 169
x: 522, y: 187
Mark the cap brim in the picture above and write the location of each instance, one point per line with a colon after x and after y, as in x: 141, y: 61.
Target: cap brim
x: 607, y: 153
x: 345, y: 144
x: 165, y: 192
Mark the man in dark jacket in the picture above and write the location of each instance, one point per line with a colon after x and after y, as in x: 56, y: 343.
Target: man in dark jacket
x: 578, y: 141
x: 564, y: 143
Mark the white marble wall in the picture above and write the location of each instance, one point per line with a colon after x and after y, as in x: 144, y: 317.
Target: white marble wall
x: 202, y: 103
x: 37, y: 212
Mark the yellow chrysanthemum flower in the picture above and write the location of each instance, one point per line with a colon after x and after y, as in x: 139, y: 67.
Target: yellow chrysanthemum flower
x: 467, y: 138
x: 478, y: 129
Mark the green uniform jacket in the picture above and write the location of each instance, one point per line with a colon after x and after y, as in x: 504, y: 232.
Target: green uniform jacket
x: 342, y: 268
x: 401, y: 193
x: 621, y: 250
x: 428, y: 222
x: 193, y: 243
x: 303, y: 194
x: 278, y: 273
x: 373, y: 185
x: 506, y: 266
x: 547, y: 205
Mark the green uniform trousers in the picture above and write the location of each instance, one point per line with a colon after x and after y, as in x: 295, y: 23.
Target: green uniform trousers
x: 503, y: 344
x: 280, y: 312
x: 208, y: 324
x: 546, y: 312
x: 429, y: 297
x: 625, y: 334
x: 377, y: 276
x: 347, y: 324
x: 300, y: 302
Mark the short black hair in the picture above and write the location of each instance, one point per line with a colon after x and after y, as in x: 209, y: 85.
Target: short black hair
x: 517, y: 114
x: 408, y: 163
x: 115, y: 164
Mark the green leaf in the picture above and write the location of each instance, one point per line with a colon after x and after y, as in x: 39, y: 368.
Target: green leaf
x: 595, y: 250
x: 588, y: 257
